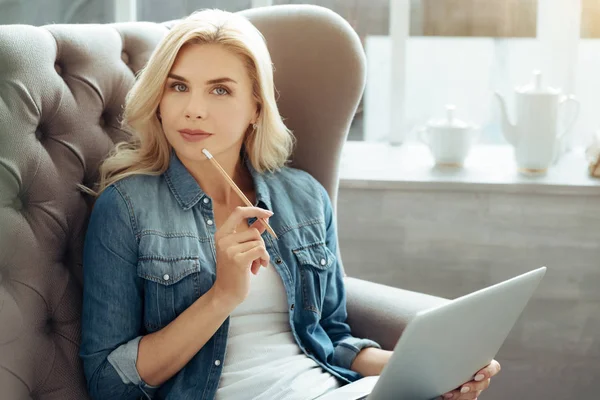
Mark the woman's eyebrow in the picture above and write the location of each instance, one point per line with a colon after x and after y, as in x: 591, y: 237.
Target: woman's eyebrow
x: 220, y: 80
x: 178, y: 78
x: 209, y: 82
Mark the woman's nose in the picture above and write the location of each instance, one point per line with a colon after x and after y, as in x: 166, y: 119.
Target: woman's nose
x: 196, y: 109
x: 189, y: 115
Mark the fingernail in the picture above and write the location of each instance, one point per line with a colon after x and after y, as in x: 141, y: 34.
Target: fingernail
x: 479, y: 377
x: 269, y: 212
x: 465, y: 389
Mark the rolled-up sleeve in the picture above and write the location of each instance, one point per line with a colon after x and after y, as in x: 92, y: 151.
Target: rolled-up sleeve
x: 334, y: 314
x: 111, y: 322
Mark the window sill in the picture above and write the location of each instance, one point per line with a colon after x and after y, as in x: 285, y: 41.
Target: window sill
x: 368, y: 165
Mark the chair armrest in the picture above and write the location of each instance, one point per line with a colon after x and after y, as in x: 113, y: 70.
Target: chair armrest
x: 381, y: 312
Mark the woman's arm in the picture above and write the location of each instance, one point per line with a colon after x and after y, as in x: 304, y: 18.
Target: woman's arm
x: 370, y: 361
x: 164, y: 353
x: 334, y: 313
x: 120, y: 363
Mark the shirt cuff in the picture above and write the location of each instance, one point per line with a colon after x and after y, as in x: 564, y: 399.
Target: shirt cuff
x: 346, y: 351
x: 123, y: 360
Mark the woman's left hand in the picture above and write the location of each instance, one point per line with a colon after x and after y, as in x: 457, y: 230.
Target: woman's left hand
x: 471, y: 390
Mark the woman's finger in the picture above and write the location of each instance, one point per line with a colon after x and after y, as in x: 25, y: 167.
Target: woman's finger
x: 487, y: 372
x: 244, y: 247
x: 458, y: 395
x: 254, y: 254
x: 474, y: 386
x: 260, y: 224
x: 240, y: 214
x: 239, y: 237
x: 255, y: 266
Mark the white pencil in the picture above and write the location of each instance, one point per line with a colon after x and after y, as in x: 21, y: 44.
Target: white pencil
x: 237, y: 189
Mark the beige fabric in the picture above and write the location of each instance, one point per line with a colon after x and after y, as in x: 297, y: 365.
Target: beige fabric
x: 61, y: 92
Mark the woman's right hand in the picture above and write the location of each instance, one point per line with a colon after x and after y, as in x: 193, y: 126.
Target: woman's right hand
x: 239, y: 254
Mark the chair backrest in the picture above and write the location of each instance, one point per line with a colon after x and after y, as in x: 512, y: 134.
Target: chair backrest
x: 62, y: 88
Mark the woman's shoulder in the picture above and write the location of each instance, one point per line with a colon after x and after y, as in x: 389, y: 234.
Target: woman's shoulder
x: 296, y: 186
x: 127, y: 190
x: 295, y: 179
x: 291, y: 173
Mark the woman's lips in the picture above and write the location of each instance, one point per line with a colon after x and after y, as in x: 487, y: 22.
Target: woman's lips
x: 192, y: 136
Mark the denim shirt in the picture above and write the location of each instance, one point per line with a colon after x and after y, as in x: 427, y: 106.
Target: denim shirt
x: 149, y: 253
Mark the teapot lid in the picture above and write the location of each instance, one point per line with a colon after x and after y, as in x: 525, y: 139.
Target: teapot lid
x: 450, y: 122
x: 536, y: 87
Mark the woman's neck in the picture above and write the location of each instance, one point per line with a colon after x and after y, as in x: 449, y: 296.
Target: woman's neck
x: 215, y: 185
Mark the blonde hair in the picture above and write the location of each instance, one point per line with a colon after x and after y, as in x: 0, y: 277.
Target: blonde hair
x: 148, y: 152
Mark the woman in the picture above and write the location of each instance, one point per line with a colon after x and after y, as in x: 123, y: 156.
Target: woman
x: 174, y: 305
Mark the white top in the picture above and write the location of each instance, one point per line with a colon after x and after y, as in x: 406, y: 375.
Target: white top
x: 262, y: 359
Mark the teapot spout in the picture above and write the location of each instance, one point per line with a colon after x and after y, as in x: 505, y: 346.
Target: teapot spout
x: 508, y: 129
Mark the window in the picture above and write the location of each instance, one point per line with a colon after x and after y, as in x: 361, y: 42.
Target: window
x: 461, y: 51
x: 160, y: 10
x: 36, y: 12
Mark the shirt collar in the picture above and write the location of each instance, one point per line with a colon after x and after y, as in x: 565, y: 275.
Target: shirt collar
x: 186, y: 190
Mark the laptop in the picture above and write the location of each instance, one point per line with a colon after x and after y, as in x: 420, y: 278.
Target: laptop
x: 444, y: 346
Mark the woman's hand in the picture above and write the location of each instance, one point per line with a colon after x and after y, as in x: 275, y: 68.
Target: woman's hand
x: 239, y: 254
x: 471, y: 390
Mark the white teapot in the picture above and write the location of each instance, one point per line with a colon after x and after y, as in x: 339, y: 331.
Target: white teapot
x: 536, y: 136
x: 450, y: 139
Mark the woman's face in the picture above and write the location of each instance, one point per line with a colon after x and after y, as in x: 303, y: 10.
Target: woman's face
x: 209, y: 94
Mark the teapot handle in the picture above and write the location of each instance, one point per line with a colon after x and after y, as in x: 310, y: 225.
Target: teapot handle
x: 577, y: 105
x: 421, y: 135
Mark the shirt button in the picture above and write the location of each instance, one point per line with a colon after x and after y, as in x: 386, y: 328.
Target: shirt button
x: 278, y: 261
x: 323, y: 262
x: 218, y: 362
x: 166, y: 277
x: 292, y: 307
x: 209, y: 221
x: 206, y: 200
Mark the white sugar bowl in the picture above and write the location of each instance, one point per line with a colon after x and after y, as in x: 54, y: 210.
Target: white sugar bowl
x: 450, y: 140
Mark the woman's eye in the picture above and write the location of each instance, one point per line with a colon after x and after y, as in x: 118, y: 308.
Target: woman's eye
x: 221, y: 91
x: 179, y: 87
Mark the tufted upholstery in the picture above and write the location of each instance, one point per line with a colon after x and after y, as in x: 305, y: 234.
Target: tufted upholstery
x: 62, y: 88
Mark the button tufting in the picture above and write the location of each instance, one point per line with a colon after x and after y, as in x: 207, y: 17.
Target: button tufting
x: 17, y: 204
x: 49, y: 327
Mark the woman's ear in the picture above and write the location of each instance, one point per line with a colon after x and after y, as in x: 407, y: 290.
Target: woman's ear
x: 256, y: 115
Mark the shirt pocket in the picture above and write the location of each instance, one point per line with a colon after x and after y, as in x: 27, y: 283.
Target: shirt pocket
x: 170, y: 286
x: 314, y: 263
